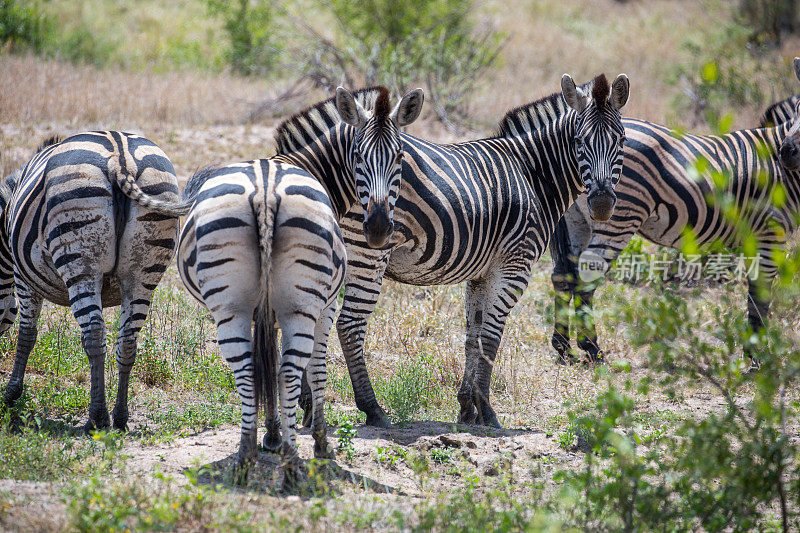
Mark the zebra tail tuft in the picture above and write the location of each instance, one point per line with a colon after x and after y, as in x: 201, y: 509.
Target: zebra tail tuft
x: 127, y: 184
x: 265, y: 351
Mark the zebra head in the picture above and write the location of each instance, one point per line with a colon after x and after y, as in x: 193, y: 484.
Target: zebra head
x: 376, y: 155
x: 599, y: 137
x: 790, y: 147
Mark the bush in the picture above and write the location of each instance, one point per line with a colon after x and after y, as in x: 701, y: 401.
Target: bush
x: 726, y: 70
x: 253, y: 47
x: 770, y: 19
x: 24, y: 25
x: 398, y: 44
x: 732, y: 469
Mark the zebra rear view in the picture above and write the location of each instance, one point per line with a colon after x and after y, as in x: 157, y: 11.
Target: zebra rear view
x: 262, y: 243
x: 88, y: 222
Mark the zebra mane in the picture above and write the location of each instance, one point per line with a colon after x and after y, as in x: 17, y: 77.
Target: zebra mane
x: 10, y: 181
x: 197, y: 181
x: 50, y: 141
x: 302, y: 128
x: 779, y: 112
x: 7, y: 188
x: 533, y: 116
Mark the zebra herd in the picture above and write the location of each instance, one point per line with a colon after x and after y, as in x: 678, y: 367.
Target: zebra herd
x: 92, y: 221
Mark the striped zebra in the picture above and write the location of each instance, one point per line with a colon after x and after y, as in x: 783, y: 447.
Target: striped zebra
x: 779, y: 112
x: 790, y: 148
x: 658, y: 198
x: 89, y: 222
x: 483, y: 212
x: 262, y: 240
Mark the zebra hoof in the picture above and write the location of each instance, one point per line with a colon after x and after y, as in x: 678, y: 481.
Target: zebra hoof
x: 12, y: 393
x: 99, y: 422
x: 487, y: 416
x: 376, y: 417
x: 120, y: 420
x: 291, y: 479
x: 323, y: 450
x: 238, y: 473
x: 467, y: 414
x: 566, y: 358
x: 596, y: 359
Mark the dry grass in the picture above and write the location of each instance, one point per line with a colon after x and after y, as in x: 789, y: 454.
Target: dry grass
x: 35, y: 91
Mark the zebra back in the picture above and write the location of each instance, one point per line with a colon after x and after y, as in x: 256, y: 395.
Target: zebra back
x: 304, y: 127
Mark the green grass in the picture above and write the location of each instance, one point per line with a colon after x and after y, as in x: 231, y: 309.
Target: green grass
x: 162, y: 504
x: 31, y: 453
x: 152, y: 34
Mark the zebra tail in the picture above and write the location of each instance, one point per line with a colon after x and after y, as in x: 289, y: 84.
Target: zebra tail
x: 265, y: 351
x: 127, y: 184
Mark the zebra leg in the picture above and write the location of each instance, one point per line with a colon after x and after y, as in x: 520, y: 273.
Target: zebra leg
x: 30, y: 306
x: 561, y: 307
x: 234, y: 334
x: 317, y: 376
x: 758, y: 301
x: 584, y: 318
x: 363, y: 281
x: 571, y: 236
x: 145, y: 250
x: 475, y: 303
x: 135, y: 308
x: 84, y: 297
x: 502, y: 295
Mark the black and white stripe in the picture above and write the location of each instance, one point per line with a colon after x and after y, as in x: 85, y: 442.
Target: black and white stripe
x: 659, y: 198
x: 779, y: 112
x: 483, y: 212
x: 88, y: 222
x: 262, y: 240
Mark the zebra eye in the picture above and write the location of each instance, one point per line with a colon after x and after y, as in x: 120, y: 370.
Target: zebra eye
x: 359, y: 159
x: 399, y: 158
x: 579, y: 141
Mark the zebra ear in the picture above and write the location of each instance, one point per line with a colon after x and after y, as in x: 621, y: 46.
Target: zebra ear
x: 620, y: 90
x: 349, y: 109
x: 797, y: 67
x: 409, y: 108
x: 574, y: 96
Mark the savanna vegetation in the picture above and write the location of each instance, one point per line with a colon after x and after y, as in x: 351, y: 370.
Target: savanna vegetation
x: 669, y: 435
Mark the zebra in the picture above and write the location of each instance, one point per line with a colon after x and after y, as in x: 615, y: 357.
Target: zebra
x: 482, y: 212
x: 262, y: 240
x: 779, y: 112
x: 659, y: 198
x: 88, y: 222
x: 790, y: 147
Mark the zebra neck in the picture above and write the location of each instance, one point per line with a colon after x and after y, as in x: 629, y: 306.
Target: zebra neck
x: 548, y: 155
x: 326, y: 158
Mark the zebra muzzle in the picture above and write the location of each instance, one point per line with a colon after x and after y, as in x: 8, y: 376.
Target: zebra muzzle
x: 790, y: 154
x: 601, y: 202
x: 378, y: 225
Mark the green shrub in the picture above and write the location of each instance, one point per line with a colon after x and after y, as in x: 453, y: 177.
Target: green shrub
x: 726, y: 71
x: 253, y: 44
x: 25, y: 25
x: 398, y: 44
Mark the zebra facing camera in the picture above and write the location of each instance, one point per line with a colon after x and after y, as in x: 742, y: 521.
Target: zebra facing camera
x: 591, y: 266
